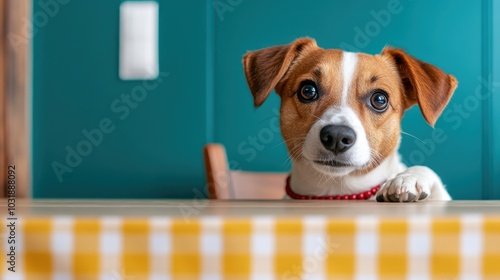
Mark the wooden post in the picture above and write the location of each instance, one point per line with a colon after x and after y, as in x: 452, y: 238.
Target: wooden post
x: 16, y: 80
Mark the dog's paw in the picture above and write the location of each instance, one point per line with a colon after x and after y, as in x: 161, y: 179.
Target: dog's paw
x: 405, y: 187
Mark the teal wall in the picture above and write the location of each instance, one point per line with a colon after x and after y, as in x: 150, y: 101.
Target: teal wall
x: 155, y: 152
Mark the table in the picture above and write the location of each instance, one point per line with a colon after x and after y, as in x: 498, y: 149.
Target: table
x: 202, y: 239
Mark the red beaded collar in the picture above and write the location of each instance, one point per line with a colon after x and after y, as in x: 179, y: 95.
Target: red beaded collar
x: 358, y: 196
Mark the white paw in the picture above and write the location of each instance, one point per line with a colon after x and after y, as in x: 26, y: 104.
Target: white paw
x: 405, y: 187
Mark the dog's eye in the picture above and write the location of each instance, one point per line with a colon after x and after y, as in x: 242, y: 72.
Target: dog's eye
x: 379, y: 101
x: 308, y: 93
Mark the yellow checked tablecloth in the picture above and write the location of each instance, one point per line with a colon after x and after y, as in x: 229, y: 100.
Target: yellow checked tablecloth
x: 252, y: 240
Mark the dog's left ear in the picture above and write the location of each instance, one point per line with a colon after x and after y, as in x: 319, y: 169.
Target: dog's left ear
x: 423, y: 83
x: 265, y: 68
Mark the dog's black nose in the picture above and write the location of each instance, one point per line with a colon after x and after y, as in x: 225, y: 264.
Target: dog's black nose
x: 337, y: 138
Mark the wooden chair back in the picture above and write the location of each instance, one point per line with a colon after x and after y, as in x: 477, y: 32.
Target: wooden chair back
x: 224, y: 183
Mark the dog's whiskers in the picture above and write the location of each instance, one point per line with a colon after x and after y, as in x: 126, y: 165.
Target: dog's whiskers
x: 411, y: 135
x: 376, y: 157
x: 289, y: 141
x: 342, y: 184
x: 318, y: 118
x: 295, y: 152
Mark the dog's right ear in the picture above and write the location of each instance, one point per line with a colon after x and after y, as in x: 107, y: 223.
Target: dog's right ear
x: 265, y: 68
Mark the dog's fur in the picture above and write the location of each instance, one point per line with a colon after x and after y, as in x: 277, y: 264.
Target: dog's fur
x: 345, y: 82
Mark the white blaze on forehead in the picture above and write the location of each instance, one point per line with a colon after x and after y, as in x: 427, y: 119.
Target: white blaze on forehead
x: 349, y: 62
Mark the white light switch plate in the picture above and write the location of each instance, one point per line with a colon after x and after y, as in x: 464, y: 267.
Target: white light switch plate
x: 138, y: 40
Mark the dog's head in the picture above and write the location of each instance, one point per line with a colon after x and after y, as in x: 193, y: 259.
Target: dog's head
x: 340, y: 111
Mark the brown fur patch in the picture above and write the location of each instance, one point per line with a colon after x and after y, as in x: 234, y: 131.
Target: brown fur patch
x: 297, y: 117
x: 382, y: 129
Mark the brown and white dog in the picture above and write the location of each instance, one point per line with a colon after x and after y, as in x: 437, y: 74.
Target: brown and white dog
x: 341, y: 117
